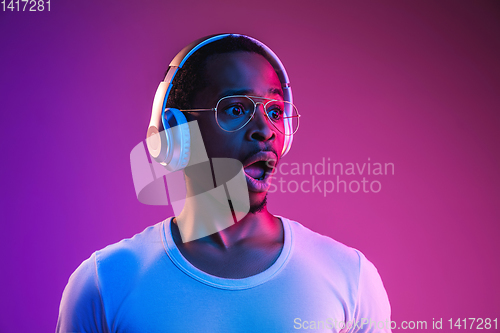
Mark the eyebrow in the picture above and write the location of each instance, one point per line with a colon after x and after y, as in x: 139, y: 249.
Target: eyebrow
x: 273, y: 91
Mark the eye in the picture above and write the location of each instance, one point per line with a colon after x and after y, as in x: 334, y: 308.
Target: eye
x: 275, y: 113
x: 235, y: 110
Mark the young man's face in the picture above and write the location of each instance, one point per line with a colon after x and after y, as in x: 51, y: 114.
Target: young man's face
x: 242, y: 73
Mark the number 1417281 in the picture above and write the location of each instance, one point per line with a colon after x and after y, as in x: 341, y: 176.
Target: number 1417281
x: 26, y: 5
x: 473, y: 323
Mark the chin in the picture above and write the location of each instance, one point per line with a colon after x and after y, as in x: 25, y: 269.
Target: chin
x: 257, y: 205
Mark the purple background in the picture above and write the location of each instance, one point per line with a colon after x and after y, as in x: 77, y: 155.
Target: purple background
x: 412, y: 83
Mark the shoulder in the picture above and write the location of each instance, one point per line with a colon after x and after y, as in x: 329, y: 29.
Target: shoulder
x: 112, y: 268
x: 130, y: 250
x: 347, y: 267
x: 81, y: 304
x: 372, y: 300
x: 117, y: 265
x: 320, y: 247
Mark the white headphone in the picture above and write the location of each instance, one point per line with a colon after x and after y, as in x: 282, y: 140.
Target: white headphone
x: 168, y: 137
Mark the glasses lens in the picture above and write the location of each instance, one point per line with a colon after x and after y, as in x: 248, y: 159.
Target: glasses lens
x: 284, y: 116
x: 234, y: 112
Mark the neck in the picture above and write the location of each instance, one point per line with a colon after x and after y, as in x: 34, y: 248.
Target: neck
x: 208, y: 216
x: 253, y: 226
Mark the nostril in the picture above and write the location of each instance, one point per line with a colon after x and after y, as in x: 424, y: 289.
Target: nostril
x: 258, y: 136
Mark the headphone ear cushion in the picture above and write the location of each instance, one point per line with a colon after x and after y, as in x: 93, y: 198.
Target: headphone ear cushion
x: 185, y: 149
x: 286, y: 144
x: 178, y: 139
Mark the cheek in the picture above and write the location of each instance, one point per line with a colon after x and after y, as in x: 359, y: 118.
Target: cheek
x: 217, y: 142
x: 206, y: 123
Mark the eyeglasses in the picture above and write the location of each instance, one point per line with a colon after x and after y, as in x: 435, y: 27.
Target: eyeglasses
x: 232, y: 113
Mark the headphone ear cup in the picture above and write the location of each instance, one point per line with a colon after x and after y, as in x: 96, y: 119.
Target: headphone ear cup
x: 155, y: 137
x: 288, y: 139
x: 177, y: 139
x: 156, y: 143
x: 287, y: 144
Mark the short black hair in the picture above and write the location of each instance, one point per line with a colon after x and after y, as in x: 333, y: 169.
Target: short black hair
x: 191, y: 77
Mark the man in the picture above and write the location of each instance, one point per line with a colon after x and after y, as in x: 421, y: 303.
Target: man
x: 263, y: 273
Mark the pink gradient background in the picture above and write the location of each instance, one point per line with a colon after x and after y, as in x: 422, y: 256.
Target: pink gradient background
x: 416, y: 84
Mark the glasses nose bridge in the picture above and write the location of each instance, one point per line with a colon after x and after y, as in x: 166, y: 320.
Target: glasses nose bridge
x: 256, y: 104
x: 266, y: 120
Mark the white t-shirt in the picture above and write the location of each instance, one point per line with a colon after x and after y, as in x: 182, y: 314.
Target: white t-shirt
x: 144, y: 284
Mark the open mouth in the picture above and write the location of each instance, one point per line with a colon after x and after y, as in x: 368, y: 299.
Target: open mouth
x: 259, y: 170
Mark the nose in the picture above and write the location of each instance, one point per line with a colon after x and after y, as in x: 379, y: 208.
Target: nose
x: 261, y: 128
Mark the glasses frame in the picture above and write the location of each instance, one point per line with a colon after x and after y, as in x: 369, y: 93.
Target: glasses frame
x: 285, y: 118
